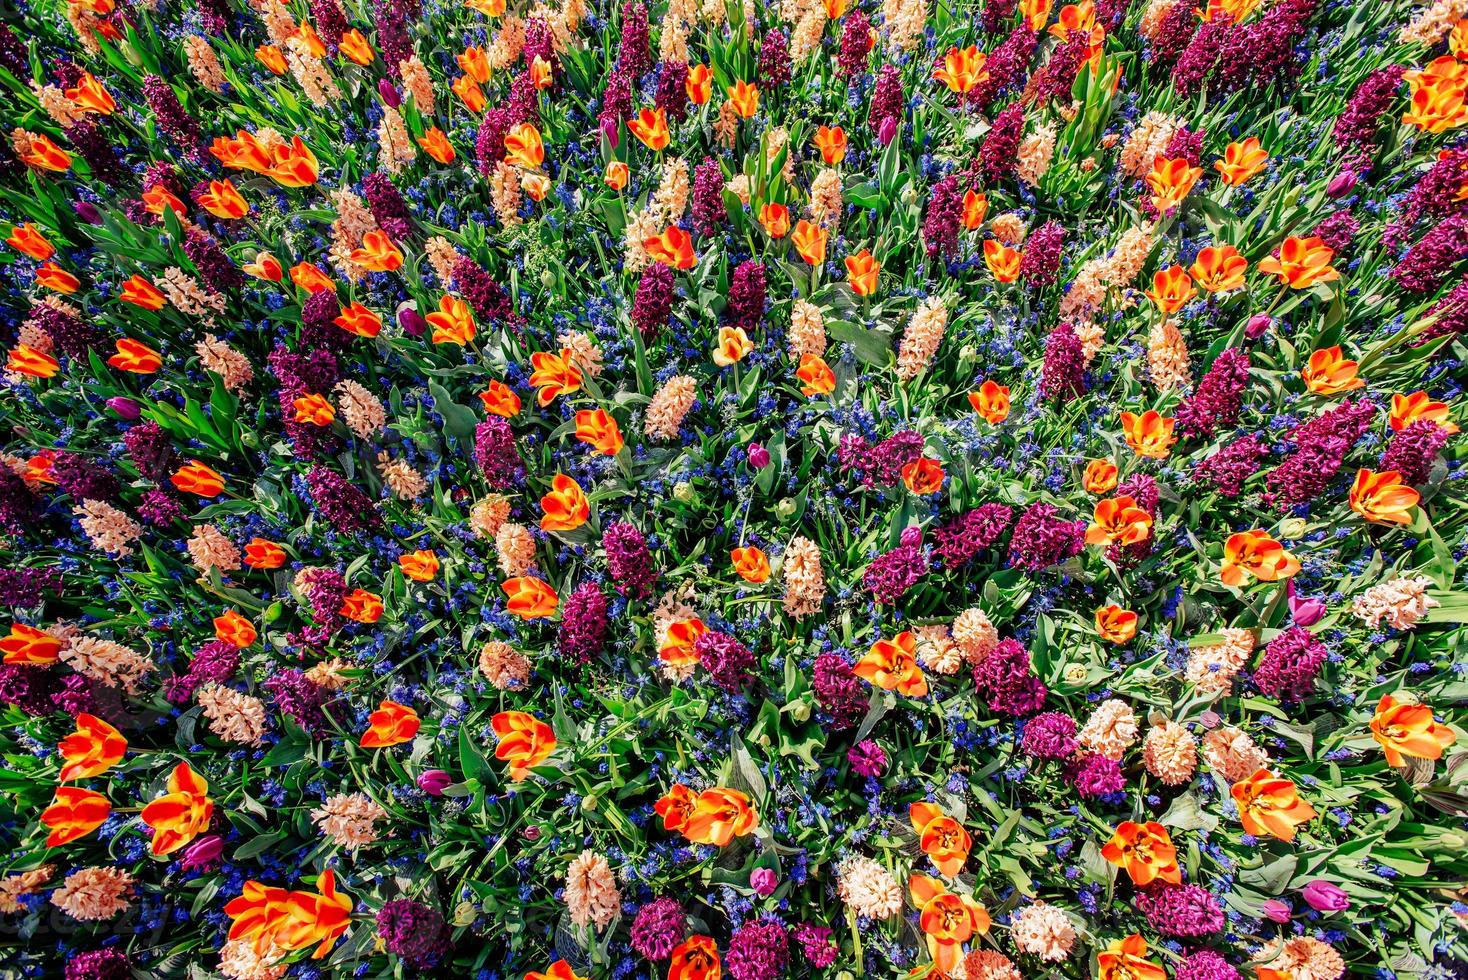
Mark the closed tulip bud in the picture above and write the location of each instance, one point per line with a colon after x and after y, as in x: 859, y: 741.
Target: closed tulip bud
x: 412, y: 322
x: 87, y: 212
x: 758, y: 456
x: 1210, y: 719
x: 434, y: 781
x: 1325, y: 897
x: 1276, y: 911
x: 389, y: 93
x: 124, y: 408
x: 785, y: 509
x: 203, y: 852
x: 764, y: 882
x: 1305, y: 612
x: 683, y: 492
x: 1258, y: 323
x: 887, y: 132
x: 1341, y: 185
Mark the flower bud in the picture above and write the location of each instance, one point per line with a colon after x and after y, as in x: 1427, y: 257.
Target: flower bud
x: 758, y: 456
x: 1325, y: 897
x: 389, y: 93
x: 125, y: 408
x: 434, y: 781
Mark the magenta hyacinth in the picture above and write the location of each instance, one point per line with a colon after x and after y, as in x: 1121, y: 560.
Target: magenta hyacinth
x: 1206, y: 964
x: 1218, y: 399
x: 1227, y: 469
x: 1063, y: 373
x: 494, y: 450
x: 839, y: 691
x: 653, y: 302
x: 1414, y: 450
x: 709, y: 213
x: 1050, y: 737
x: 856, y: 43
x: 962, y: 538
x: 892, y: 573
x: 1184, y: 911
x: 1006, y: 683
x: 730, y: 664
x: 1042, y: 539
x: 628, y: 560
x: 583, y: 631
x: 658, y: 927
x: 745, y: 305
x: 1290, y: 665
x: 1320, y: 448
x: 758, y: 951
x: 1358, y: 127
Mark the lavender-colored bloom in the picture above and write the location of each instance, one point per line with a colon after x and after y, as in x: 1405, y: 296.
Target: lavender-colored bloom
x: 1414, y: 450
x: 1094, y: 776
x: 214, y: 663
x: 1174, y: 35
x: 1042, y: 539
x: 1182, y: 911
x: 494, y: 450
x: 1227, y: 469
x: 177, y: 124
x: 1063, y: 373
x: 1303, y: 611
x: 999, y: 153
x: 388, y: 208
x: 634, y: 56
x: 1277, y: 911
x: 583, y: 631
x: 1219, y: 397
x: 628, y: 560
x: 658, y: 927
x: 745, y: 306
x: 1050, y: 736
x: 150, y: 450
x: 654, y: 300
x: 342, y: 503
x: 887, y: 99
x: 774, y: 59
x: 958, y: 541
x: 215, y: 269
x: 1206, y: 964
x: 730, y: 663
x: 414, y: 932
x: 22, y: 588
x: 894, y: 572
x: 1290, y: 664
x: 319, y: 329
x: 856, y: 44
x: 160, y: 507
x: 839, y: 691
x: 867, y: 758
x: 996, y: 12
x: 1357, y: 126
x: 300, y: 699
x: 672, y: 93
x: 1004, y: 679
x: 708, y: 197
x: 99, y: 964
x: 1198, y: 59
x: 758, y: 951
x: 1040, y: 263
x: 1321, y: 445
x: 943, y: 219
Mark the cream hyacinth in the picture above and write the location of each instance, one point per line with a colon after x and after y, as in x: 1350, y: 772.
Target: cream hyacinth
x: 669, y: 406
x: 233, y: 716
x: 592, y: 896
x: 1402, y: 602
x: 868, y: 888
x: 503, y: 666
x: 1170, y: 753
x: 1167, y: 357
x: 107, y: 662
x: 807, y: 334
x: 1232, y: 754
x: 921, y: 338
x: 805, y: 581
x: 1111, y: 729
x: 1042, y: 930
x: 1212, y: 669
x: 349, y: 819
x: 94, y: 894
x: 975, y: 635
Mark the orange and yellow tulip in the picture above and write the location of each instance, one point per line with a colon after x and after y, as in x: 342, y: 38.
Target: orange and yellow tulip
x: 1145, y: 851
x: 1258, y: 554
x: 313, y: 409
x: 923, y: 476
x: 530, y: 598
x: 536, y: 186
x: 25, y: 359
x: 732, y: 347
x: 43, y: 154
x: 559, y: 970
x: 474, y: 62
x: 697, y: 957
x: 523, y: 146
x: 892, y: 666
x: 91, y: 750
x: 51, y: 276
x: 678, y: 646
x: 358, y: 320
x: 720, y: 815
x: 565, y: 508
x: 499, y: 399
x: 599, y: 430
x: 744, y: 97
x: 469, y: 93
x: 223, y: 200
x: 272, y: 58
x: 650, y: 126
x: 435, y: 142
x: 1302, y: 262
x: 525, y: 741
x: 198, y: 479
x: 941, y: 837
x: 88, y: 95
x: 1241, y: 161
x: 135, y: 356
x: 810, y: 241
x: 542, y: 74
x: 1115, y: 624
x: 420, y: 566
x: 700, y: 84
x: 309, y: 277
x: 1219, y: 268
x: 1419, y: 407
x: 1118, y: 520
x: 554, y: 375
x: 232, y: 628
x: 1382, y: 498
x: 1270, y: 804
x: 1436, y: 108
x: 991, y: 401
x: 1100, y: 476
x: 1329, y: 373
x: 290, y: 920
x: 264, y: 266
x: 391, y: 724
x: 831, y: 141
x: 948, y: 919
x: 453, y: 323
x: 751, y: 564
x: 975, y: 207
x: 293, y: 164
x: 263, y: 554
x: 74, y: 814
x: 140, y: 292
x: 962, y: 69
x: 1002, y: 260
x: 816, y: 377
x: 1148, y: 434
x: 378, y: 253
x: 1125, y: 959
x: 356, y: 47
x: 775, y: 219
x: 617, y: 175
x: 361, y: 606
x: 182, y: 813
x: 1171, y: 181
x: 1408, y: 731
x: 1171, y: 289
x: 861, y: 272
x: 26, y: 239
x: 673, y: 248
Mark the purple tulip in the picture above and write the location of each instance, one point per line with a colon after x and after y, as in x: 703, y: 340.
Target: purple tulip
x: 434, y: 781
x: 125, y: 408
x: 1341, y: 185
x: 1276, y: 911
x: 1210, y: 719
x: 412, y: 322
x: 87, y: 212
x: 203, y: 852
x: 610, y: 128
x: 1325, y: 897
x: 1305, y: 612
x: 764, y: 882
x: 1258, y: 323
x: 758, y: 456
x: 887, y: 132
x: 389, y: 93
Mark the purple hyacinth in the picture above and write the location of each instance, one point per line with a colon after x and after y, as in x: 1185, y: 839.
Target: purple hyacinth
x: 393, y: 39
x: 1338, y: 231
x: 1042, y: 539
x: 1095, y: 777
x: 1413, y: 451
x: 1181, y: 911
x: 539, y: 43
x: 330, y: 22
x: 319, y: 329
x: 943, y: 219
x: 879, y: 465
x: 866, y: 758
x: 150, y: 450
x: 1428, y: 264
x: 489, y: 142
x: 215, y: 269
x: 839, y: 691
x: 1007, y: 67
x: 999, y: 153
x: 1040, y: 262
x: 1227, y: 469
x: 99, y: 964
x: 22, y: 588
x: 629, y: 560
x: 891, y: 574
x: 486, y: 297
x: 634, y: 56
x: 73, y: 335
x: 19, y: 508
x: 1006, y: 682
x: 672, y: 93
x: 958, y: 541
x: 817, y: 943
x: 388, y: 208
x: 1433, y: 196
x: 996, y: 12
x: 13, y: 53
x: 341, y: 502
x: 1357, y: 127
x: 83, y: 479
x: 745, y: 306
x: 856, y: 44
x: 616, y: 105
x: 413, y: 931
x: 160, y: 508
x: 708, y: 197
x: 99, y: 152
x: 1264, y: 52
x: 1063, y: 373
x: 658, y: 927
x: 301, y: 375
x: 1201, y: 55
x: 300, y: 699
x: 214, y: 663
x: 730, y: 663
x: 1290, y: 664
x: 326, y: 590
x: 1449, y: 314
x: 1059, y: 74
x: 583, y: 631
x: 1206, y: 964
x: 176, y: 123
x: 653, y: 302
x: 1321, y: 445
x: 1219, y: 397
x: 888, y: 102
x: 758, y: 951
x: 773, y: 67
x: 1050, y: 736
x: 1174, y: 33
x: 494, y: 450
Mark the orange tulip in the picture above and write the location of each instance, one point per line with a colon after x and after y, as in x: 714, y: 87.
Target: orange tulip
x: 356, y: 47
x: 775, y: 218
x: 499, y: 399
x: 1257, y: 553
x: 744, y: 97
x: 525, y: 741
x: 1100, y: 476
x: 272, y: 58
x: 732, y: 347
x: 962, y: 69
x: 565, y: 508
x: 474, y: 63
x: 835, y: 9
x: 243, y: 152
x: 469, y: 93
x: 234, y: 629
x: 530, y: 598
x: 697, y: 957
x: 1458, y: 40
x: 1436, y: 108
x: 923, y: 476
x: 831, y: 141
x: 1329, y: 373
x: 559, y: 970
x: 435, y: 143
x: 1125, y: 959
x: 135, y: 356
x: 293, y: 164
x: 523, y: 146
x: 361, y: 606
x: 182, y: 813
x: 617, y: 175
x: 719, y: 815
x: 223, y: 200
x: 52, y: 276
x: 391, y: 724
x: 599, y: 430
x: 1148, y: 434
x: 700, y: 84
x: 1170, y: 182
x: 1241, y: 161
x: 420, y: 566
x: 378, y: 253
x: 810, y: 241
x: 89, y: 96
x: 310, y: 278
x: 1408, y: 731
x: 313, y: 409
x: 74, y: 814
x: 975, y: 206
x: 554, y: 375
x: 948, y: 920
x: 290, y: 920
x: 265, y: 266
x: 991, y: 401
x: 1417, y: 407
x: 1219, y: 268
x: 675, y: 807
x: 38, y: 469
x: 1145, y: 851
x: 314, y: 44
x: 1236, y: 10
x: 91, y: 750
x: 892, y: 666
x: 25, y: 359
x: 650, y: 126
x: 453, y: 323
x: 43, y: 154
x: 1269, y: 804
x: 263, y: 554
x: 1302, y: 262
x: 198, y: 479
x: 29, y: 241
x: 160, y: 199
x: 678, y: 644
x: 1115, y: 624
x: 861, y: 272
x: 1382, y: 498
x: 1171, y: 289
x: 1118, y: 520
x: 1002, y: 260
x: 751, y: 564
x: 359, y: 321
x: 140, y: 292
x: 815, y: 375
x: 542, y: 74
x: 673, y: 248
x: 537, y: 186
x: 941, y: 837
